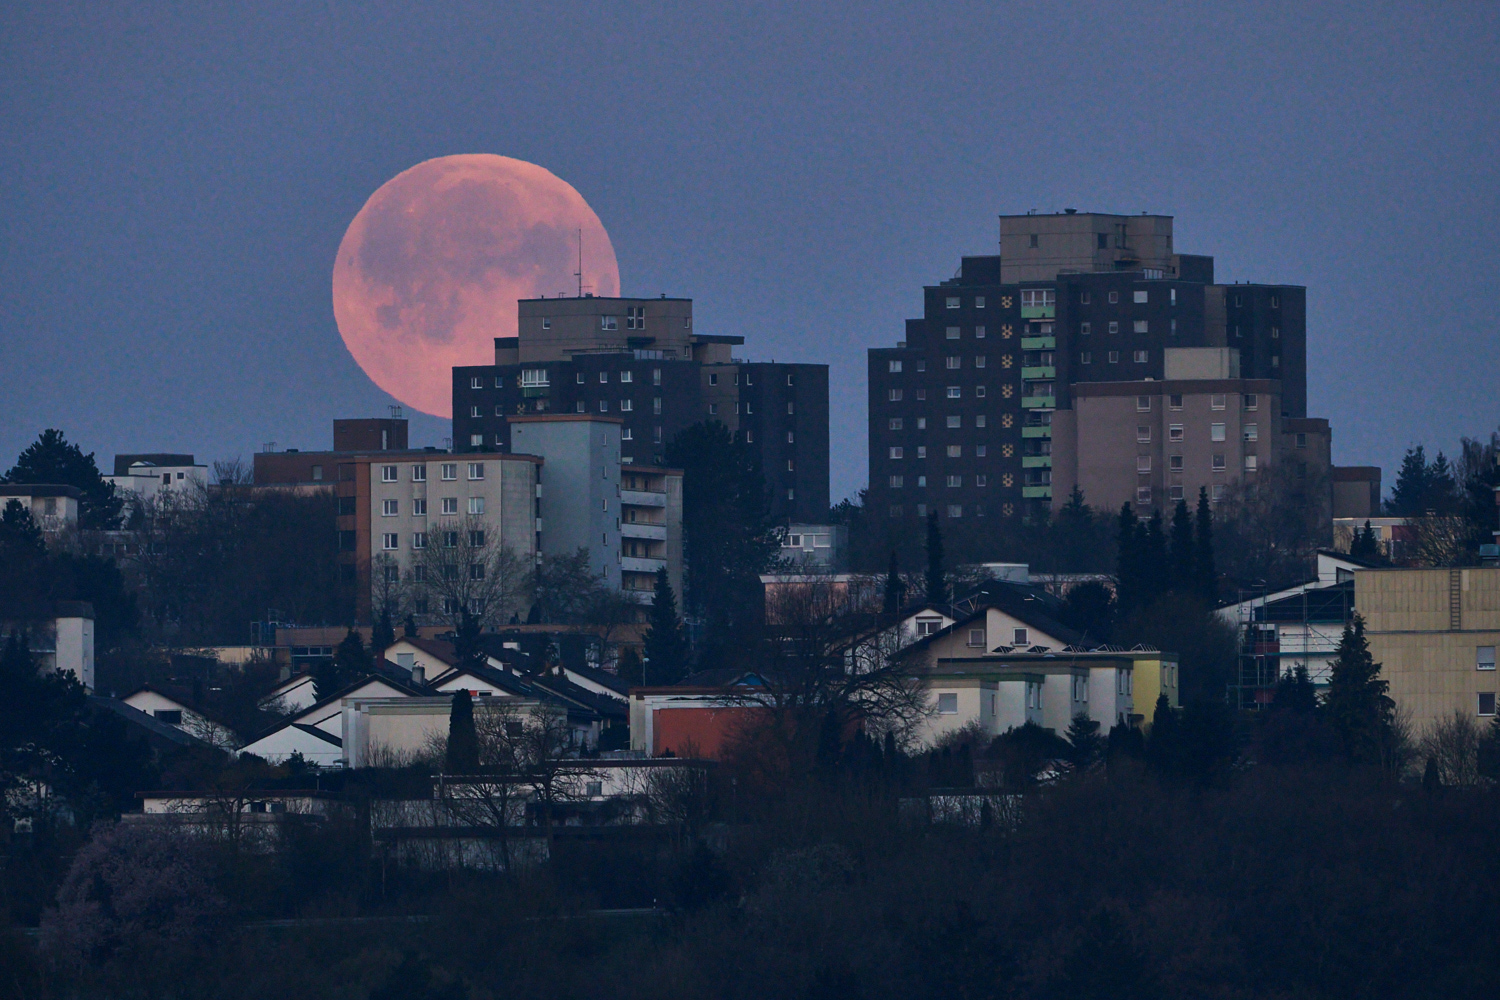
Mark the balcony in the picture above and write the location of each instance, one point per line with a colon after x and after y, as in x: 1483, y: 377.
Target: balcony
x: 1036, y: 492
x: 1036, y: 461
x: 1038, y: 402
x: 1038, y: 343
x: 1036, y: 432
x: 638, y: 564
x: 1048, y: 372
x: 1039, y: 312
x: 640, y: 529
x: 532, y: 391
x: 641, y: 498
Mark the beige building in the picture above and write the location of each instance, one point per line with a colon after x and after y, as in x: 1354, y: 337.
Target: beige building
x: 1434, y: 632
x: 1040, y: 247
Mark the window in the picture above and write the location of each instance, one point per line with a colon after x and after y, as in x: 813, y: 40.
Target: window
x: 1218, y: 492
x: 450, y: 505
x: 1175, y: 463
x: 1140, y: 296
x: 1252, y: 433
x: 955, y: 510
x: 896, y: 510
x: 895, y: 424
x: 1085, y: 358
x: 895, y: 395
x: 419, y: 507
x: 980, y: 449
x: 897, y: 482
x: 656, y: 405
x: 1216, y: 401
x: 921, y: 394
x: 955, y: 451
x: 450, y: 471
x: 954, y: 392
x: 953, y: 302
x: 474, y: 411
x: 979, y: 392
x: 921, y: 508
x: 626, y: 434
x: 922, y: 453
x: 712, y: 380
x: 1484, y: 658
x: 1143, y: 463
x: 450, y: 541
x: 476, y: 382
x: 627, y: 376
x: 533, y: 377
x: 580, y: 406
x: 955, y: 420
x: 1114, y: 357
x: 1174, y: 432
x: 896, y: 452
x: 1139, y: 326
x: 979, y: 333
x: 317, y: 472
x: 1083, y: 297
x: 476, y: 539
x: 546, y: 322
x: 476, y: 505
x: 1218, y: 464
x: 1275, y: 333
x: 656, y: 376
x: 979, y: 480
x: 388, y: 541
x: 387, y: 473
x: 1143, y: 494
x: 1250, y: 463
x: 476, y: 470
x: 954, y: 362
x: 1252, y: 401
x: 895, y: 366
x: 1114, y: 327
x: 979, y: 302
x: 1175, y: 493
x: 1174, y: 402
x: 1038, y: 298
x: 1486, y: 703
x: 1143, y: 433
x: 1140, y: 357
x: 389, y: 508
x: 1114, y: 297
x: 171, y: 717
x: 1020, y: 637
x: 476, y: 440
x: 627, y: 405
x: 789, y: 466
x: 1301, y: 440
x: 1084, y: 329
x: 928, y: 626
x: 1216, y: 432
x: 635, y: 317
x: 791, y: 408
x: 955, y: 481
x: 609, y: 322
x: 947, y: 703
x: 419, y: 540
x: 1034, y: 240
x: 976, y: 637
x: 1172, y: 331
x: 921, y: 423
x: 952, y: 333
x: 656, y: 435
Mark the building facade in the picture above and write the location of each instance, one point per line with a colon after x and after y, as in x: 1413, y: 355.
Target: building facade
x: 639, y: 360
x: 967, y: 413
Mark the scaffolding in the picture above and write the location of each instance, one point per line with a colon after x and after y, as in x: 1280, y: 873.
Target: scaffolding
x: 1279, y: 633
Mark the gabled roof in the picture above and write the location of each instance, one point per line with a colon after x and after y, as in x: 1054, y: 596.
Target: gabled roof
x: 601, y: 677
x: 565, y: 690
x: 501, y: 679
x: 150, y: 724
x: 1024, y: 604
x: 177, y: 696
x: 439, y: 648
x: 320, y: 734
x: 723, y: 677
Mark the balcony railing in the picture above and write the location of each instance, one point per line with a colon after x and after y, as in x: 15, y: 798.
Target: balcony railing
x: 1036, y: 492
x: 1038, y: 343
x: 1037, y: 432
x: 1038, y: 402
x: 1039, y: 372
x: 1036, y: 461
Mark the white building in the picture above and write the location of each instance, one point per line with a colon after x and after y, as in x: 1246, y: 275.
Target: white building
x: 147, y: 476
x: 53, y: 508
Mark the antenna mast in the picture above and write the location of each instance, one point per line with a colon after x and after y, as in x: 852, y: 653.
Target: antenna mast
x: 579, y: 273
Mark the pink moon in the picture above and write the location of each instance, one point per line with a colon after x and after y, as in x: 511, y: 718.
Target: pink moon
x: 430, y: 269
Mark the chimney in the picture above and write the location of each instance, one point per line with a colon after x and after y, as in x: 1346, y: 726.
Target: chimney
x: 418, y: 675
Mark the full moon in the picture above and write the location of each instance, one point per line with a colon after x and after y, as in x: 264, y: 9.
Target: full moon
x: 430, y: 269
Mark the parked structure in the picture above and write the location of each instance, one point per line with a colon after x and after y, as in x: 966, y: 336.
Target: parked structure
x: 640, y: 360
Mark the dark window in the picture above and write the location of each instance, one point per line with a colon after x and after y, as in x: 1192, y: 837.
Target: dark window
x: 348, y: 505
x: 1103, y: 240
x: 172, y: 717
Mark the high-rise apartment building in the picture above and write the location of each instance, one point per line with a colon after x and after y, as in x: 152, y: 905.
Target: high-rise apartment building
x: 996, y: 401
x: 640, y: 361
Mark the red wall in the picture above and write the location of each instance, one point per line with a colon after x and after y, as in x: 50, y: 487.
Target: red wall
x: 707, y: 729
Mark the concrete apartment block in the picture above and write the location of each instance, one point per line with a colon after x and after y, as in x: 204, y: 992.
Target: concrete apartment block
x: 579, y: 495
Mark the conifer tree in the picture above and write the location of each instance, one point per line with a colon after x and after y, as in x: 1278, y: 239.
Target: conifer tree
x: 1413, y: 481
x: 383, y: 635
x: 892, y: 588
x: 350, y: 661
x: 937, y: 580
x: 1153, y: 550
x: 665, y: 642
x: 1356, y: 705
x: 409, y: 630
x: 52, y: 459
x: 1127, y: 562
x: 630, y: 669
x: 1086, y: 743
x: 1182, y: 553
x: 1162, y: 748
x: 1365, y: 546
x: 1205, y: 571
x: 463, y: 740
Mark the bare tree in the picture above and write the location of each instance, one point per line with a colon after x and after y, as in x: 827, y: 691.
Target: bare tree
x: 390, y: 589
x: 233, y: 472
x: 1452, y: 745
x: 1438, y: 539
x: 1269, y: 526
x: 466, y: 570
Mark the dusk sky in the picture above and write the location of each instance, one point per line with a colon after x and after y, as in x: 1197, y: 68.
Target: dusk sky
x: 175, y: 183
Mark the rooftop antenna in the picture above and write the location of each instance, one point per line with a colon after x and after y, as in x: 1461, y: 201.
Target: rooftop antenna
x: 395, y: 409
x: 579, y: 273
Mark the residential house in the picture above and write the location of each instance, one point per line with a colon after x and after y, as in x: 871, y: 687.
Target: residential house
x: 178, y: 708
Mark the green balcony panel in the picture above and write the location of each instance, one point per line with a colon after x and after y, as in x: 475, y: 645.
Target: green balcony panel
x: 1038, y: 343
x: 1036, y: 432
x: 1039, y: 373
x: 1036, y: 461
x: 1038, y: 312
x: 532, y: 391
x: 1036, y: 492
x: 1038, y: 402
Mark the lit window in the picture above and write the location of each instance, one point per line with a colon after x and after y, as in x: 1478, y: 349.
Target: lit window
x: 476, y: 440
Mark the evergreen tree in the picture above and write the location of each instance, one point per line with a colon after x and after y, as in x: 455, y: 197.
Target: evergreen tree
x: 1365, y: 546
x: 1442, y: 487
x: 1162, y: 750
x: 892, y: 588
x: 350, y: 662
x: 51, y: 459
x: 1156, y: 572
x: 463, y: 740
x: 1182, y: 552
x: 1204, y: 570
x: 1356, y: 705
x: 383, y: 635
x: 1413, y: 482
x: 1489, y: 750
x: 630, y: 669
x: 1128, y: 583
x: 665, y: 642
x: 1087, y: 745
x: 467, y: 644
x: 937, y: 579
x: 26, y: 573
x: 1295, y: 692
x: 1089, y: 608
x: 409, y: 630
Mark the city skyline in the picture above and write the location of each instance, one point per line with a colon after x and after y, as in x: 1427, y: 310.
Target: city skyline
x: 181, y: 224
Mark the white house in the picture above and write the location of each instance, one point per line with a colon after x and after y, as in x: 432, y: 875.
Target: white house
x: 308, y: 731
x: 176, y: 712
x: 53, y: 508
